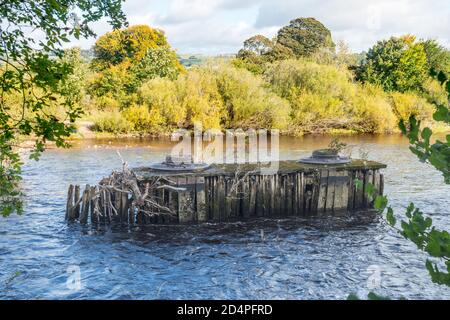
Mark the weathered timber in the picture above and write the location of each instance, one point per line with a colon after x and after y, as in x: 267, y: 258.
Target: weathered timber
x: 226, y: 192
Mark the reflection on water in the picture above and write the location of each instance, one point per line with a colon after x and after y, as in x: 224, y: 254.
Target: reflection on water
x: 262, y: 259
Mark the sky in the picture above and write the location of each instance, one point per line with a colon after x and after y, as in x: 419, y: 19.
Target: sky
x: 220, y: 26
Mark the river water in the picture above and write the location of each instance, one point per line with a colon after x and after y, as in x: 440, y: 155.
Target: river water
x: 41, y: 257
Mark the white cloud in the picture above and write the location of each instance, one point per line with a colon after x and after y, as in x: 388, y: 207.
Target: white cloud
x: 362, y: 23
x: 220, y: 26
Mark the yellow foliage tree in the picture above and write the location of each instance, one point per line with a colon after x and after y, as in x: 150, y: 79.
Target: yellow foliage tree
x: 129, y: 44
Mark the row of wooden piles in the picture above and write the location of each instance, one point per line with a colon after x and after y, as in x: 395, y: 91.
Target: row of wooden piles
x: 98, y: 204
x: 196, y: 198
x: 286, y: 194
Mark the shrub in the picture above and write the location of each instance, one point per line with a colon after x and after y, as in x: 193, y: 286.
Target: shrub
x: 112, y: 122
x: 309, y: 77
x: 373, y: 111
x: 106, y: 103
x: 324, y: 98
x: 162, y: 95
x: 248, y: 103
x: 434, y: 92
x: 143, y: 120
x: 201, y: 99
x: 408, y: 104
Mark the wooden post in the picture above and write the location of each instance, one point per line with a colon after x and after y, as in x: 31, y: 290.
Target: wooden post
x: 331, y: 190
x: 124, y: 205
x: 69, y: 204
x: 116, y: 204
x: 215, y: 199
x: 341, y: 192
x: 381, y: 184
x: 186, y: 199
x: 368, y: 178
x: 245, y: 198
x: 351, y: 191
x: 272, y: 190
x: 94, y: 204
x: 131, y: 215
x: 76, y: 213
x: 359, y: 193
x: 323, y: 203
x: 221, y: 198
x: 309, y: 193
x: 85, y: 205
x: 300, y: 193
x: 289, y: 191
x: 201, y: 199
x: 315, y: 191
x: 252, y: 197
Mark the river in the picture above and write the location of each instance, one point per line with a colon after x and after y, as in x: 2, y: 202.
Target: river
x: 326, y: 258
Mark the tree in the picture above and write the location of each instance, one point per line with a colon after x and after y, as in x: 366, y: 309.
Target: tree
x: 259, y: 50
x: 34, y: 72
x: 304, y: 36
x: 397, y: 64
x: 129, y: 44
x: 126, y: 58
x: 438, y: 58
x: 158, y: 62
x: 258, y: 45
x: 74, y: 86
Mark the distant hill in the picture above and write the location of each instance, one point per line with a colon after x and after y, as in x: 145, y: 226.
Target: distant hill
x: 187, y: 60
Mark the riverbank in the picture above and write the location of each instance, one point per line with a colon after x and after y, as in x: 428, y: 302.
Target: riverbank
x: 85, y: 131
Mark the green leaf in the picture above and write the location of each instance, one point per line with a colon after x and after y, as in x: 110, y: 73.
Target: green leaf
x: 442, y: 114
x: 353, y: 296
x: 426, y: 133
x: 358, y: 184
x: 374, y: 296
x: 390, y: 217
x: 370, y: 189
x: 380, y: 203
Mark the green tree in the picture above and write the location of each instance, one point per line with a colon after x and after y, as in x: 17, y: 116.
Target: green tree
x: 254, y: 53
x: 304, y: 36
x: 74, y: 86
x: 35, y: 73
x: 438, y: 58
x: 397, y: 64
x: 126, y: 58
x: 258, y: 45
x: 129, y: 44
x: 158, y: 62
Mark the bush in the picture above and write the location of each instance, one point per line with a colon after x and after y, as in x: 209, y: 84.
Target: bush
x: 373, y: 111
x: 162, y: 95
x: 200, y: 97
x: 324, y: 98
x: 248, y: 102
x: 308, y: 77
x: 106, y: 103
x: 434, y: 92
x: 143, y: 120
x: 112, y: 122
x: 408, y: 104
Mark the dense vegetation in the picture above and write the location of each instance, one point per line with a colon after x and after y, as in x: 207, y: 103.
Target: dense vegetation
x: 300, y: 82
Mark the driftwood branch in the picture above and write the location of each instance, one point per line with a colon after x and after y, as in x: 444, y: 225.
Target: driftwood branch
x: 120, y: 195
